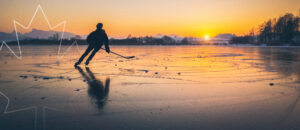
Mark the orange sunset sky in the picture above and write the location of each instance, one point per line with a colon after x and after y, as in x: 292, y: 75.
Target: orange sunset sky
x: 195, y: 18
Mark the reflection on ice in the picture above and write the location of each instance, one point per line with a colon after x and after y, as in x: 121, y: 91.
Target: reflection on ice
x: 97, y: 90
x: 165, y: 87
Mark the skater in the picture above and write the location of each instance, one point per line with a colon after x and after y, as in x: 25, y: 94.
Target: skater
x: 95, y: 41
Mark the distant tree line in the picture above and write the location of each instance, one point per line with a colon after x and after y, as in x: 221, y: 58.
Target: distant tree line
x: 147, y: 40
x: 281, y: 31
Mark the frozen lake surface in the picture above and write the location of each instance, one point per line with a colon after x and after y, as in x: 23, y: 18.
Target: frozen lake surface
x: 164, y: 87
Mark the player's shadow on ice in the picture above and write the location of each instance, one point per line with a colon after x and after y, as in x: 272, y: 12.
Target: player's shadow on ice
x: 97, y: 91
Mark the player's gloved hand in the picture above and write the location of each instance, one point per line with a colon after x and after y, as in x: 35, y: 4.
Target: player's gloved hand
x: 107, y: 50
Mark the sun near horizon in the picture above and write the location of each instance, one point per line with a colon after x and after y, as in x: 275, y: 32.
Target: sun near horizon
x: 191, y: 18
x: 206, y: 37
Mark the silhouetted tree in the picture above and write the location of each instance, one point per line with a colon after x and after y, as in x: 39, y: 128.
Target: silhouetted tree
x: 185, y: 41
x: 279, y: 31
x: 167, y: 39
x: 266, y: 31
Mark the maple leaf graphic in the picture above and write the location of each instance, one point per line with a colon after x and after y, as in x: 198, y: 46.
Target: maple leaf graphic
x: 40, y: 100
x: 63, y: 23
x: 38, y: 97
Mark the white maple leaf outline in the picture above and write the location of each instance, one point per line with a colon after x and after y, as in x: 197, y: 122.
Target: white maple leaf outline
x: 39, y: 7
x: 6, y: 111
x: 35, y: 108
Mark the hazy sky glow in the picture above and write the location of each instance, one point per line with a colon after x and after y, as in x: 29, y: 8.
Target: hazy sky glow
x: 148, y: 17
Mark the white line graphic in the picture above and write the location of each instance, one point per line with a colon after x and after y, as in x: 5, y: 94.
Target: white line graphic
x: 39, y: 7
x: 19, y: 56
x: 35, y: 108
x: 19, y: 110
x: 4, y: 43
